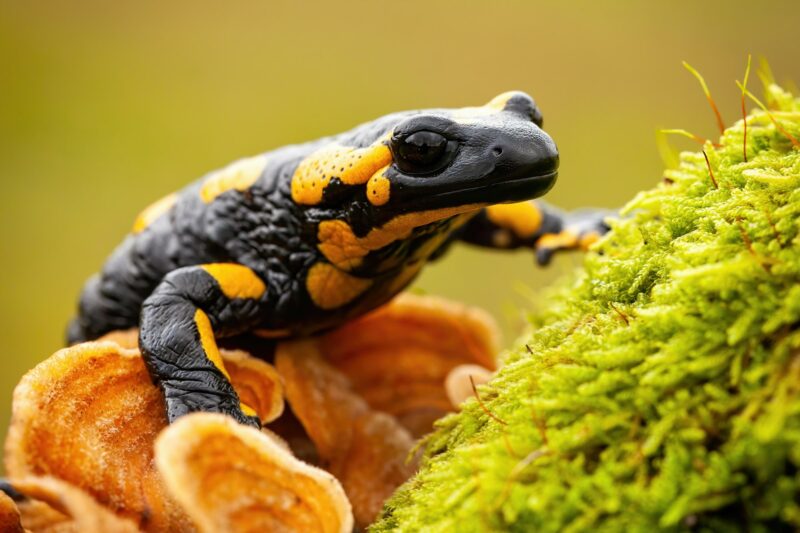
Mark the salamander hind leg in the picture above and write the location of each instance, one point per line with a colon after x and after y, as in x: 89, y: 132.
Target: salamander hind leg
x: 179, y: 325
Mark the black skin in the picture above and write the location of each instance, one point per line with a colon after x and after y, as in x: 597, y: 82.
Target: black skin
x: 154, y: 279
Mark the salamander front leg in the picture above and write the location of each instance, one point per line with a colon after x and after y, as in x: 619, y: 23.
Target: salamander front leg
x: 579, y: 230
x: 179, y: 323
x: 536, y: 225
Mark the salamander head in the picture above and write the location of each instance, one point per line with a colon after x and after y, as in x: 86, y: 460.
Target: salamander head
x: 491, y: 154
x: 440, y: 159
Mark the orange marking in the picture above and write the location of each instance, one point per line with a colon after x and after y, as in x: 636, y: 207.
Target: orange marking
x: 469, y: 115
x: 153, y: 212
x: 340, y: 246
x: 208, y: 342
x: 247, y: 410
x: 353, y: 166
x: 236, y: 281
x: 565, y: 239
x: 523, y: 218
x: 419, y: 257
x: 239, y: 175
x: 589, y: 239
x: 378, y: 187
x: 498, y: 103
x: 330, y: 288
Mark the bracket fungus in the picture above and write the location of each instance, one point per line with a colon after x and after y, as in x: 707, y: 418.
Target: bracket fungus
x: 460, y: 383
x: 398, y: 357
x: 89, y: 448
x: 229, y: 477
x: 51, y: 505
x: 365, y: 449
x: 10, y: 520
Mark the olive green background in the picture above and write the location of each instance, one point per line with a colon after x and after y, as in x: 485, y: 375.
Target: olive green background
x: 106, y: 106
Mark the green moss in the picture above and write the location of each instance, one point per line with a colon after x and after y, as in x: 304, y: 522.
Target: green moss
x: 663, y: 387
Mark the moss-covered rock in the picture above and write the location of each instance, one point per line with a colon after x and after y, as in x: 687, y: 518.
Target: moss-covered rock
x: 662, y: 389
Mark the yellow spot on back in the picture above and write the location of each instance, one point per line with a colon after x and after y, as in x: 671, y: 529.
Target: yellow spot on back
x: 353, y: 166
x: 340, y: 246
x: 153, y: 211
x: 239, y: 175
x: 331, y: 288
x: 378, y: 187
x: 236, y: 281
x: 208, y: 342
x: 523, y: 218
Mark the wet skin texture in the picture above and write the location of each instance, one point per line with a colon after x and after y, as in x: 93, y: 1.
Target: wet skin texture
x: 305, y: 237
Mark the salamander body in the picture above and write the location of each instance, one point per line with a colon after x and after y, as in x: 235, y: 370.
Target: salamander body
x: 305, y: 237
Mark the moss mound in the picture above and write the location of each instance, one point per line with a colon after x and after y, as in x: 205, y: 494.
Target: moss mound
x: 662, y: 389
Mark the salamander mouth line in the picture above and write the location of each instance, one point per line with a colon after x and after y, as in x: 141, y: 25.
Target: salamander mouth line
x: 475, y: 192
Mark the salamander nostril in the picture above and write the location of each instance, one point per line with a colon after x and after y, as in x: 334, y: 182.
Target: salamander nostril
x: 497, y: 151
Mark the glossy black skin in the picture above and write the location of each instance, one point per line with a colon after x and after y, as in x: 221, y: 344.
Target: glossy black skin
x: 152, y: 281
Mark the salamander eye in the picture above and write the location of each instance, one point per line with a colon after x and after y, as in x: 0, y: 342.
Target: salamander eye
x: 422, y: 152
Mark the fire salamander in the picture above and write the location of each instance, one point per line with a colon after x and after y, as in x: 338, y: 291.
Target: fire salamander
x: 300, y: 239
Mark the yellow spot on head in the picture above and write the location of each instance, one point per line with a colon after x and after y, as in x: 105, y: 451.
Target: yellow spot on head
x: 236, y: 281
x: 523, y: 218
x: 331, y: 288
x: 498, y: 103
x: 153, y: 211
x: 353, y: 166
x: 378, y: 187
x: 471, y: 115
x: 239, y: 175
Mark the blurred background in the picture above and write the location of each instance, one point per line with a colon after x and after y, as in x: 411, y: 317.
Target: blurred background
x: 107, y: 106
